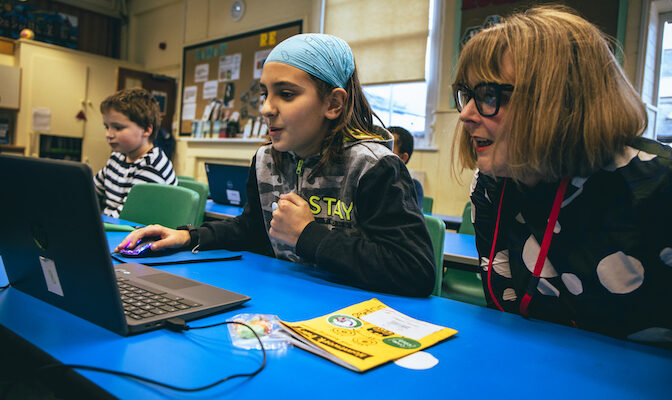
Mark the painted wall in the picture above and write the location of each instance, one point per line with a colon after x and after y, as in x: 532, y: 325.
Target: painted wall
x: 185, y: 22
x: 72, y: 81
x: 6, y: 59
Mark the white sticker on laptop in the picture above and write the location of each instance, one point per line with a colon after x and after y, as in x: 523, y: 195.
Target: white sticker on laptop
x: 233, y: 196
x: 51, y: 276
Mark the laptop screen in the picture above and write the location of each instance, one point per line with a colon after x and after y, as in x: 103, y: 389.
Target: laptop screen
x: 52, y: 240
x: 54, y: 247
x: 227, y: 183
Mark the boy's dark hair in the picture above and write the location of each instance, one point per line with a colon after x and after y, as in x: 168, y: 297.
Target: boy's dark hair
x: 405, y: 140
x: 138, y: 105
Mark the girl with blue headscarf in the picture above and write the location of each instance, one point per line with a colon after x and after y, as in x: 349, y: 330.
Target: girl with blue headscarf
x: 327, y: 190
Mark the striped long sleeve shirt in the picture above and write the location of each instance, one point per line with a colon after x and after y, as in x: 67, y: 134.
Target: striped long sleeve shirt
x: 115, y: 179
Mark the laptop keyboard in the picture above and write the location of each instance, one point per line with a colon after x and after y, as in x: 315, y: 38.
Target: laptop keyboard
x: 145, y: 302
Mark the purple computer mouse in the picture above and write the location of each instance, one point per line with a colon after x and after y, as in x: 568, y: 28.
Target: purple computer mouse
x: 142, y: 249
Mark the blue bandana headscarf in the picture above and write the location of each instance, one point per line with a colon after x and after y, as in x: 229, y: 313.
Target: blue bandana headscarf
x: 324, y: 56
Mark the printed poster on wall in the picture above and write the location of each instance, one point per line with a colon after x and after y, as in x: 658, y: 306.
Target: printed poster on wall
x: 41, y: 119
x: 229, y: 67
x: 210, y: 89
x: 201, y: 72
x: 190, y: 93
x: 188, y: 111
x: 259, y: 58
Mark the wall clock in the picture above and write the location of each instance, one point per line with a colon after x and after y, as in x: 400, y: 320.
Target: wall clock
x: 237, y: 10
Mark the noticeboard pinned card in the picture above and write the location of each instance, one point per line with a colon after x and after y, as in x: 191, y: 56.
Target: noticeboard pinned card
x: 235, y: 63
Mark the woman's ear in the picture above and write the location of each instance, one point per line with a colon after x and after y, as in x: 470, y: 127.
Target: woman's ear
x: 335, y: 103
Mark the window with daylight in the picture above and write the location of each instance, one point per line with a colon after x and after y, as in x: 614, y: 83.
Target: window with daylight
x: 400, y: 104
x: 393, y: 63
x: 663, y: 122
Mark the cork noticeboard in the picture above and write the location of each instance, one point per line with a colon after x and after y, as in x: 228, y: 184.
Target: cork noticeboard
x: 226, y: 71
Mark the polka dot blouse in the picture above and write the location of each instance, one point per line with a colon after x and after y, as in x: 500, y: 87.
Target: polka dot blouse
x: 609, y: 265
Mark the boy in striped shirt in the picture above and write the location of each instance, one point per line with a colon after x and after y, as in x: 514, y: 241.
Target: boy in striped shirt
x: 131, y: 118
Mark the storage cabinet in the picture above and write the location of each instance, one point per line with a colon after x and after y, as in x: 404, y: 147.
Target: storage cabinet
x: 69, y: 85
x: 57, y: 83
x: 10, y: 77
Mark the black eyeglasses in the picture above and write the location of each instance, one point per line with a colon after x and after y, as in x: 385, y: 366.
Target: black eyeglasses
x: 487, y: 95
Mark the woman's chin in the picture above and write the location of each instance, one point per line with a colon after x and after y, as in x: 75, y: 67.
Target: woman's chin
x: 484, y: 167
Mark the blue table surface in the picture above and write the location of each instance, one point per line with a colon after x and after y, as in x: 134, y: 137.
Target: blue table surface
x: 457, y: 244
x: 495, y: 354
x: 112, y: 220
x: 460, y: 245
x: 222, y: 209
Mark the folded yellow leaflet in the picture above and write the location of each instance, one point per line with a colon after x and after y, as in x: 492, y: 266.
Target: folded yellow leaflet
x: 365, y: 335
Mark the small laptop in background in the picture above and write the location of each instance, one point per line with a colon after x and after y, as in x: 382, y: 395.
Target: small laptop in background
x: 53, y: 246
x: 227, y: 183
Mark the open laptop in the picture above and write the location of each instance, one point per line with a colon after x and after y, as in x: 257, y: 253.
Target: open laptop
x: 227, y: 183
x: 53, y: 246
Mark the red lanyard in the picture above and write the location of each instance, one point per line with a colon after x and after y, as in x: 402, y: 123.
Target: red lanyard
x: 545, y: 244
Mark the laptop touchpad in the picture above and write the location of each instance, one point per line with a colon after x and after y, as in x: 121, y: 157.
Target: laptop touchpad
x: 169, y: 281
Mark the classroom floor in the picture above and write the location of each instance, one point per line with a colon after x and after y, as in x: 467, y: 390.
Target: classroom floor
x: 20, y: 360
x: 28, y: 390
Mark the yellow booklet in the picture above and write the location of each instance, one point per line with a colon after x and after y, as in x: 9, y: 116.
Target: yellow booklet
x: 365, y: 335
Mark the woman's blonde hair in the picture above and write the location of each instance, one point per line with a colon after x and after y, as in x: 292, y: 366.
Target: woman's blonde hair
x: 572, y: 109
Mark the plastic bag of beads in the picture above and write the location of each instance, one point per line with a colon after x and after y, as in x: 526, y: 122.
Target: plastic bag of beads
x: 266, y: 326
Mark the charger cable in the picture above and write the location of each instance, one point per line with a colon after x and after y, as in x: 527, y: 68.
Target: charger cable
x: 172, y: 324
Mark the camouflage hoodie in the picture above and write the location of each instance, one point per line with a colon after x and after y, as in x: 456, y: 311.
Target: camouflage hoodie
x: 368, y: 228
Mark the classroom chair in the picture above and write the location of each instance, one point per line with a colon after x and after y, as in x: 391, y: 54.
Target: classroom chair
x: 167, y: 205
x: 458, y: 284
x: 464, y: 286
x: 437, y: 232
x: 427, y: 204
x: 203, y: 190
x: 466, y: 227
x: 184, y: 178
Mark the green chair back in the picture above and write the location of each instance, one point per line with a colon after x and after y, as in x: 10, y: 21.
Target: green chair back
x: 437, y: 232
x: 464, y: 286
x: 203, y: 190
x: 427, y: 204
x: 167, y: 205
x: 184, y: 178
x: 466, y: 227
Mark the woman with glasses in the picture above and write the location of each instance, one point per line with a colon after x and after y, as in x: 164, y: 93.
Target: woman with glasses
x: 572, y: 207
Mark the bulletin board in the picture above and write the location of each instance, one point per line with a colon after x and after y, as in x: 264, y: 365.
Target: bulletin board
x: 227, y: 70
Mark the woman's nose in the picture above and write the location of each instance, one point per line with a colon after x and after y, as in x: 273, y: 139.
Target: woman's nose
x: 469, y: 111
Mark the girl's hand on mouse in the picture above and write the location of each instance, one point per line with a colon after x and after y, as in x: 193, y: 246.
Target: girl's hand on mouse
x: 290, y: 218
x: 168, y: 238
